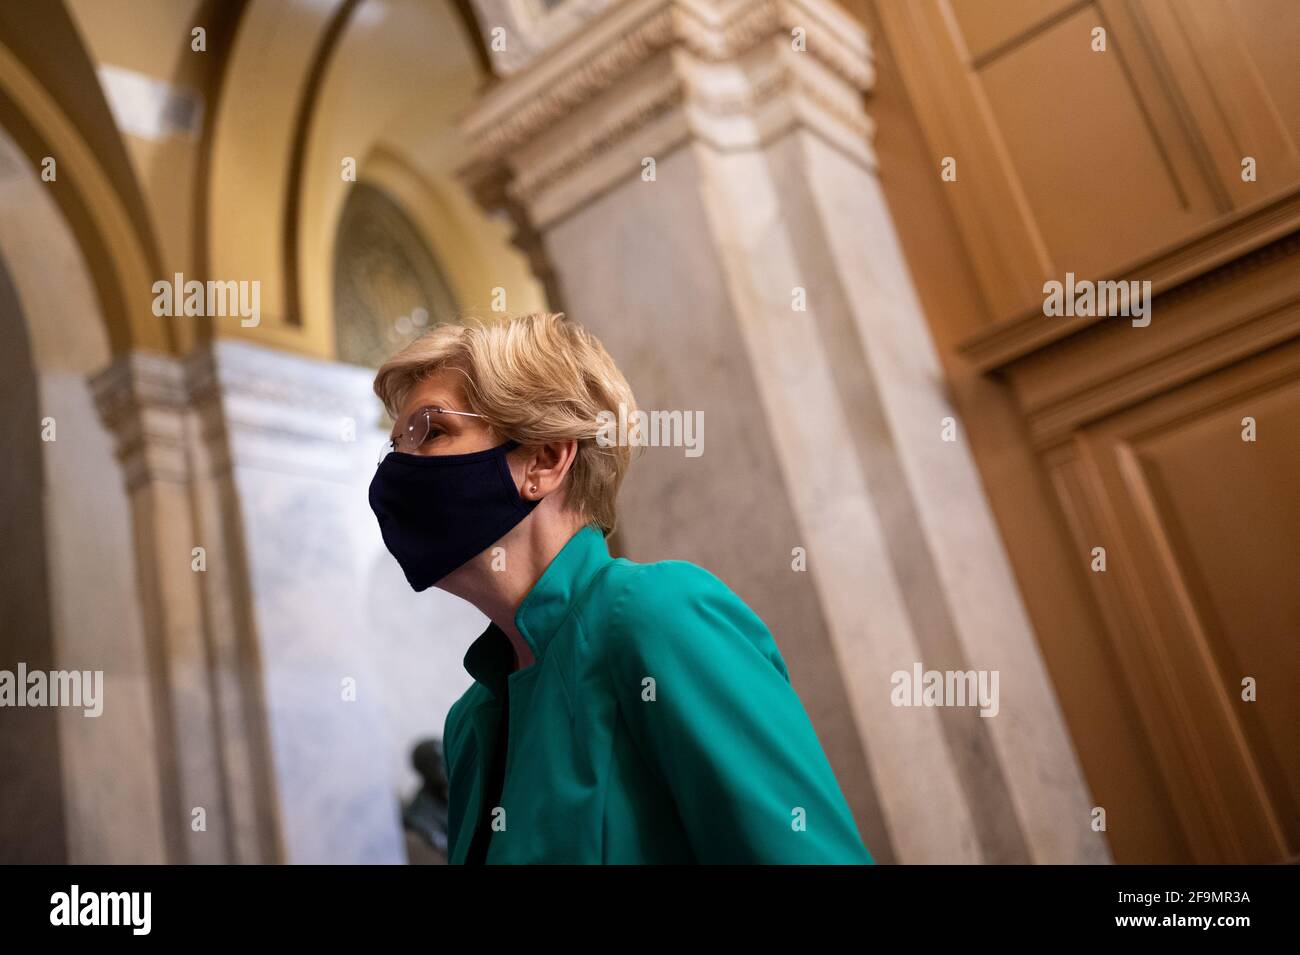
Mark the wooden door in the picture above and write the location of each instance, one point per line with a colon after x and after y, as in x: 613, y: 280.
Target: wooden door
x: 1126, y: 162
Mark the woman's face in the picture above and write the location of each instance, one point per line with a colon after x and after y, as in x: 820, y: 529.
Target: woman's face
x: 448, y: 433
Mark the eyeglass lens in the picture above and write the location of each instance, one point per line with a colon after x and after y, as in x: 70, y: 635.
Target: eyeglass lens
x: 415, y: 431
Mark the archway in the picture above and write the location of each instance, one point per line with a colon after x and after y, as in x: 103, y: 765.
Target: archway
x: 69, y: 597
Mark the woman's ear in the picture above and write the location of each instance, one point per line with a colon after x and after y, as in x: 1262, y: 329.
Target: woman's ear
x: 547, y: 466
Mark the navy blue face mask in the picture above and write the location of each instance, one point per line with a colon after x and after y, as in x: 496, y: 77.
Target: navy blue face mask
x: 438, y: 511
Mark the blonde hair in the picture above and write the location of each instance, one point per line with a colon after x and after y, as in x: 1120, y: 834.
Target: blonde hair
x: 537, y: 378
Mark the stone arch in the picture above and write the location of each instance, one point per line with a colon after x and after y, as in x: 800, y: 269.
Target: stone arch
x: 83, y: 614
x: 32, y: 828
x: 307, y: 86
x: 94, y: 187
x: 387, y: 283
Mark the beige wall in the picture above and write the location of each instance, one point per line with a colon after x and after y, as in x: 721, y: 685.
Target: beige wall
x: 217, y: 201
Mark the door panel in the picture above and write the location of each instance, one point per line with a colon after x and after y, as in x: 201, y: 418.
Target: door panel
x: 1200, y: 592
x: 987, y: 26
x: 1098, y: 162
x: 1233, y: 68
x: 1081, y: 145
x: 1126, y: 164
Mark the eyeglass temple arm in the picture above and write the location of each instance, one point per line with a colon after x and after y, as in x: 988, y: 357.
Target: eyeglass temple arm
x: 392, y: 439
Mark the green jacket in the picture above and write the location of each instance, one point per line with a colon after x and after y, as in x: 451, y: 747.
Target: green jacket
x: 658, y: 725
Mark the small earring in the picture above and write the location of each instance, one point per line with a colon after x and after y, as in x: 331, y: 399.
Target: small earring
x: 533, y: 489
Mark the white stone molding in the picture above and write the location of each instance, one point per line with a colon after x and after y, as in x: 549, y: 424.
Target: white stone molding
x: 530, y: 27
x: 242, y: 450
x: 647, y: 76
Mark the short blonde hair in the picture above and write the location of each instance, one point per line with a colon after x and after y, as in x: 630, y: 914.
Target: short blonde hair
x: 537, y: 378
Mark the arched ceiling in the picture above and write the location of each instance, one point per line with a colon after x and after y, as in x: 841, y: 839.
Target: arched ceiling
x: 381, y: 82
x: 286, y: 89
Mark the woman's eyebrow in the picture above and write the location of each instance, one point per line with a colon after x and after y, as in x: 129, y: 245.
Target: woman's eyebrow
x: 444, y: 405
x: 435, y: 403
x: 441, y: 419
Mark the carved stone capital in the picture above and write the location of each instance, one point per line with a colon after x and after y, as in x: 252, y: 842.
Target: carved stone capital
x: 176, y: 419
x: 284, y: 412
x: 142, y: 398
x: 645, y: 77
x: 518, y: 31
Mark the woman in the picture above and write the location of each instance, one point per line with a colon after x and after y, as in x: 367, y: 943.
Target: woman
x: 621, y: 712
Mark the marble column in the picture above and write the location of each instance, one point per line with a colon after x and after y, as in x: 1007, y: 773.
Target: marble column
x: 270, y: 714
x: 700, y: 173
x: 144, y: 400
x: 285, y: 493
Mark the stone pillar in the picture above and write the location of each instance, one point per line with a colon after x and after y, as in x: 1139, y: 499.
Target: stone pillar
x: 286, y: 496
x: 144, y: 400
x: 701, y: 174
x: 259, y: 458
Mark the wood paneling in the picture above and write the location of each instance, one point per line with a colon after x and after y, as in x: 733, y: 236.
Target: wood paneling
x: 1092, y: 156
x: 1096, y: 162
x: 1141, y: 429
x: 986, y: 27
x: 1199, y: 591
x: 1232, y: 69
x: 1127, y: 165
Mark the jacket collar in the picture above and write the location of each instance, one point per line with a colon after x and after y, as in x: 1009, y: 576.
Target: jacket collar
x: 490, y: 658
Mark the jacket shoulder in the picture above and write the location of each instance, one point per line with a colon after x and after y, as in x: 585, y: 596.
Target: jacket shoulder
x: 658, y: 590
x: 668, y: 602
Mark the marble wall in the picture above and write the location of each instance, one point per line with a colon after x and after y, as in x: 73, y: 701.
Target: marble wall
x: 330, y: 605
